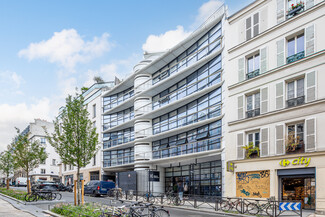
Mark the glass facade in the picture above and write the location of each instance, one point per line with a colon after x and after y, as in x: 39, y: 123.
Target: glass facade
x: 204, y: 138
x: 112, y: 101
x: 207, y: 75
x: 201, y: 178
x: 118, y: 137
x: 206, y: 45
x: 205, y: 107
x: 118, y: 118
x: 119, y: 157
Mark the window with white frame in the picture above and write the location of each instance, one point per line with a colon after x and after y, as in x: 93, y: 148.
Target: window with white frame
x: 253, y: 66
x: 94, y: 160
x: 43, y: 171
x: 253, y: 105
x: 295, y: 137
x: 252, y: 26
x: 94, y: 110
x: 253, y: 138
x: 294, y: 7
x: 43, y: 140
x: 54, y: 162
x: 65, y: 167
x: 295, y: 48
x: 296, y: 92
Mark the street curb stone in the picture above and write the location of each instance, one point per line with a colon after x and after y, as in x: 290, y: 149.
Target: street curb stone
x: 52, y: 213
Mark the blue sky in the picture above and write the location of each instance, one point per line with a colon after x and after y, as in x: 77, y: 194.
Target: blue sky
x: 47, y: 48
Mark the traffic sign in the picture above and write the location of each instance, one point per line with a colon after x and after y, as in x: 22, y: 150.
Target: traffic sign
x: 289, y: 206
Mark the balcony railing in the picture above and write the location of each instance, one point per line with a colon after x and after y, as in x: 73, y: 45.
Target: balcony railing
x: 295, y: 57
x: 253, y: 74
x: 295, y: 11
x: 108, y: 143
x: 119, y: 161
x: 253, y: 113
x: 183, y: 149
x: 295, y: 101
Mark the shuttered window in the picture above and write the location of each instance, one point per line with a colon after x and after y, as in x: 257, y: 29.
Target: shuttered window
x: 264, y: 146
x: 240, y: 144
x: 279, y: 95
x: 252, y: 26
x: 311, y: 134
x: 264, y: 100
x: 311, y: 86
x: 279, y: 140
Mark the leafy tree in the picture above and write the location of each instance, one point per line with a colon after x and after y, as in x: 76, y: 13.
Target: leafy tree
x: 84, y: 89
x: 27, y: 154
x: 7, y: 165
x: 98, y: 80
x: 74, y: 138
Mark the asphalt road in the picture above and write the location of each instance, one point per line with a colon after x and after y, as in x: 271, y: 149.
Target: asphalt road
x: 174, y: 212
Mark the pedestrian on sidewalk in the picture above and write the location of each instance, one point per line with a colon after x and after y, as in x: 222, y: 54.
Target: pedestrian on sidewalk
x: 180, y: 191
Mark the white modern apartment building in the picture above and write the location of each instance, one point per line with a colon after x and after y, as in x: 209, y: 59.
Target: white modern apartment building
x: 167, y: 116
x: 49, y: 169
x: 276, y: 109
x: 93, y: 171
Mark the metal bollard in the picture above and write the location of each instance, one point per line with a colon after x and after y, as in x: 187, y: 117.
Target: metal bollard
x: 195, y: 203
x: 136, y: 196
x: 162, y: 199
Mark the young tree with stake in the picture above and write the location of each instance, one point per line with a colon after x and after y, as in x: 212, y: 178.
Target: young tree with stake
x: 7, y: 166
x: 74, y: 138
x: 27, y: 154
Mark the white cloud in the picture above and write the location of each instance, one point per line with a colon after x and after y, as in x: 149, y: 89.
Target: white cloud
x: 10, y: 80
x: 166, y: 40
x: 20, y: 115
x: 67, y: 48
x: 67, y: 86
x: 205, y: 11
x: 118, y: 68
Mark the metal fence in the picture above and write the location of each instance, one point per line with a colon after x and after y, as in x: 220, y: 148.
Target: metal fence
x: 261, y: 207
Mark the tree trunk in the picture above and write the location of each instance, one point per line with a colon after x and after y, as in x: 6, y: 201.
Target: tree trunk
x: 7, y: 183
x: 28, y: 183
x: 78, y: 185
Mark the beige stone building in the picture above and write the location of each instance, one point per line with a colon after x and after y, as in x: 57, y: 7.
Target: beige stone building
x: 276, y: 65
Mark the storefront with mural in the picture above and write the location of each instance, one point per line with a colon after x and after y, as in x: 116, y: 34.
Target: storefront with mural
x: 286, y: 178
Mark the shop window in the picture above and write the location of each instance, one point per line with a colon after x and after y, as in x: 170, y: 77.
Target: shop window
x: 295, y: 138
x: 296, y: 48
x: 253, y: 105
x: 295, y: 93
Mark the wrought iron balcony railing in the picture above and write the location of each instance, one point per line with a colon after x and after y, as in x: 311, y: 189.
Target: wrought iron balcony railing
x: 253, y: 74
x: 253, y: 113
x: 295, y: 57
x: 295, y: 101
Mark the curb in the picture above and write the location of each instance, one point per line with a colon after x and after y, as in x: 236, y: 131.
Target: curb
x: 51, y: 213
x: 12, y: 198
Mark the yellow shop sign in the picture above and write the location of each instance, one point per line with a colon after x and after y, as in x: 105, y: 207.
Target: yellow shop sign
x: 296, y: 161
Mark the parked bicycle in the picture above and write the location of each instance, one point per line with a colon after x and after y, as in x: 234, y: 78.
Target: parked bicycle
x: 229, y: 204
x: 255, y: 207
x: 37, y: 195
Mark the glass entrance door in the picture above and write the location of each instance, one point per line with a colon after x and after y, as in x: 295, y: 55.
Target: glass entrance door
x: 299, y: 189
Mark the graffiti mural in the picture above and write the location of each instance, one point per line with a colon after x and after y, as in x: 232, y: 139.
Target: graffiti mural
x: 253, y: 184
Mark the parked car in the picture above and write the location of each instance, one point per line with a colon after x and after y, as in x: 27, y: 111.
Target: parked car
x: 21, y: 181
x: 97, y: 188
x: 45, y: 186
x: 62, y: 187
x: 70, y: 188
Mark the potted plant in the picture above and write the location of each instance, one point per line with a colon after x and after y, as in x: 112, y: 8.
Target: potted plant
x: 295, y: 8
x: 293, y: 143
x: 251, y: 150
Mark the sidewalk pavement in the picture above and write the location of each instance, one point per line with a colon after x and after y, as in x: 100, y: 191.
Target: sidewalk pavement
x: 12, y: 208
x: 6, y: 209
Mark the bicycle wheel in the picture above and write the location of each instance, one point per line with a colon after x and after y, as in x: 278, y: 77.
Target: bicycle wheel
x: 225, y: 206
x: 31, y: 197
x: 58, y: 196
x: 252, y: 208
x: 160, y: 213
x: 271, y: 209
